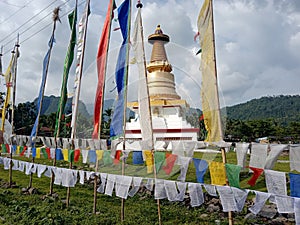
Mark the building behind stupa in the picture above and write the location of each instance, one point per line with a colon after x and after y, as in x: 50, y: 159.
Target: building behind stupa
x: 167, y: 108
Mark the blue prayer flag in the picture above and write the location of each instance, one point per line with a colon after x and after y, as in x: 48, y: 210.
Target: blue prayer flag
x: 116, y: 128
x: 33, y: 150
x: 201, y: 167
x: 137, y: 157
x: 295, y: 184
x: 92, y: 156
x: 59, y: 155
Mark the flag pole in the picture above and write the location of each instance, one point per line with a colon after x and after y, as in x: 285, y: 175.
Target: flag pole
x: 230, y: 219
x: 63, y: 97
x: 101, y: 64
x: 147, y: 106
x: 43, y: 85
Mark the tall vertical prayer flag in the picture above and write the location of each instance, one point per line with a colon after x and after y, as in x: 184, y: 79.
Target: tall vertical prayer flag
x: 8, y: 79
x: 82, y: 27
x: 101, y: 67
x: 143, y: 92
x: 117, y: 123
x: 42, y: 88
x: 209, y: 90
x: 68, y: 62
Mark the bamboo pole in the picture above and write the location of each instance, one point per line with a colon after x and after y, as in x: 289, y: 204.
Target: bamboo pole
x: 125, y: 106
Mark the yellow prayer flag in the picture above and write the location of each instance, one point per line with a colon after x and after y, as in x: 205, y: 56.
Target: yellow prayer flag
x: 99, y: 154
x: 65, y: 153
x: 18, y: 150
x: 38, y: 153
x: 217, y: 173
x: 149, y: 160
x: 209, y: 89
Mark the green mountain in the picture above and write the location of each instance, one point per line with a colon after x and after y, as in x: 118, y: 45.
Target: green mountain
x: 50, y: 105
x: 284, y: 109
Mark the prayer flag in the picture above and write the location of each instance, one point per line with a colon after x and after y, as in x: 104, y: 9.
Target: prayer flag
x: 42, y: 88
x: 143, y: 92
x: 117, y: 123
x: 68, y: 62
x: 99, y: 154
x: 65, y: 153
x: 256, y: 173
x: 101, y: 67
x: 209, y: 90
x: 82, y: 27
x: 107, y: 160
x: 217, y: 173
x: 137, y: 157
x: 71, y: 155
x: 33, y: 150
x: 92, y: 156
x: 149, y: 160
x: 76, y: 155
x: 45, y: 155
x: 59, y: 155
x: 159, y: 159
x: 201, y: 167
x: 23, y: 150
x: 295, y: 184
x: 170, y: 161
x: 233, y: 174
x: 117, y: 157
x: 48, y: 151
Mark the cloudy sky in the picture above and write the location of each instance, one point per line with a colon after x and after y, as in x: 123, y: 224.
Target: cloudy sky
x: 257, y: 46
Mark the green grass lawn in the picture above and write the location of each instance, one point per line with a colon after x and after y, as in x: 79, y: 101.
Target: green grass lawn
x: 17, y: 208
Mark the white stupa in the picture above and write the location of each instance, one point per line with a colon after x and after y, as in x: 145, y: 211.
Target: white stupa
x: 167, y: 108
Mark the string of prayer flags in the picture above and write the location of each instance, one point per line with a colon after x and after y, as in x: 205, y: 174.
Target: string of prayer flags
x: 233, y: 174
x: 170, y: 161
x: 137, y: 157
x: 149, y: 160
x: 201, y: 168
x: 159, y: 159
x: 295, y: 184
x: 217, y: 173
x: 256, y: 173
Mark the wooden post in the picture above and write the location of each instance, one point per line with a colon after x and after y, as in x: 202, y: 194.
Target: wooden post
x: 230, y: 219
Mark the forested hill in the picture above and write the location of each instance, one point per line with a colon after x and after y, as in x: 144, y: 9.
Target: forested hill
x: 50, y: 105
x: 283, y: 108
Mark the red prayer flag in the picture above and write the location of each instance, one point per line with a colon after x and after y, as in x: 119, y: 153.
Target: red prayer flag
x: 76, y: 155
x: 170, y: 161
x: 48, y: 153
x: 117, y: 157
x: 256, y: 173
x: 101, y: 66
x: 7, y: 148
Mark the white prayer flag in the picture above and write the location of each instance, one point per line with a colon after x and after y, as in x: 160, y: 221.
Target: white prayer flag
x: 258, y: 155
x: 295, y: 157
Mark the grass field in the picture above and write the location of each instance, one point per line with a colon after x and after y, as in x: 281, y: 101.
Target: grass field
x: 17, y: 208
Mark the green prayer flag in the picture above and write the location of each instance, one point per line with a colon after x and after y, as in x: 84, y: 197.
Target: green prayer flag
x: 71, y: 155
x: 107, y: 160
x: 159, y: 159
x: 233, y: 174
x: 68, y: 62
x: 43, y: 150
x: 4, y: 150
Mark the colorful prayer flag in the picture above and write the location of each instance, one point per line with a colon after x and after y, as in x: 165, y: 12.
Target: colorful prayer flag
x: 170, y: 161
x: 101, y: 67
x: 233, y: 174
x: 201, y: 168
x: 137, y: 158
x: 117, y: 123
x: 256, y: 173
x: 217, y: 173
x: 68, y: 62
x: 159, y: 159
x: 295, y: 184
x: 209, y: 90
